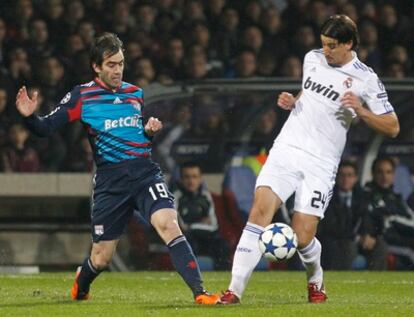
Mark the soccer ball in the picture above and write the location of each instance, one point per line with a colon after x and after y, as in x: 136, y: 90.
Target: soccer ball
x: 278, y: 242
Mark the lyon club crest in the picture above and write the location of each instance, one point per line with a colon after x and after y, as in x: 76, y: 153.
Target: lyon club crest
x: 348, y: 82
x: 136, y: 104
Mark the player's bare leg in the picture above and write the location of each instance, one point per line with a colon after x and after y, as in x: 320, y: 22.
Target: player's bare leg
x: 247, y: 254
x: 101, y: 255
x: 166, y: 223
x: 309, y: 250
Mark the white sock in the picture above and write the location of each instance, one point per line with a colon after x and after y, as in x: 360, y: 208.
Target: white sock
x: 246, y: 258
x: 311, y: 258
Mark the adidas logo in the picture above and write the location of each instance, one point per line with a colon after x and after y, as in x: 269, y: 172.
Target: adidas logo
x: 117, y: 100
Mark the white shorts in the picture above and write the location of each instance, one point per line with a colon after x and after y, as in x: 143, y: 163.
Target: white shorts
x: 289, y: 170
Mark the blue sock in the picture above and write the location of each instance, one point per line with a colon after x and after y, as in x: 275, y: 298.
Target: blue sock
x: 86, y: 276
x: 185, y: 263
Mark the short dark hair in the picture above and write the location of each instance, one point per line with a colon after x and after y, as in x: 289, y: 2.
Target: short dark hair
x: 107, y: 44
x: 342, y: 28
x: 381, y: 159
x: 190, y: 164
x: 348, y: 163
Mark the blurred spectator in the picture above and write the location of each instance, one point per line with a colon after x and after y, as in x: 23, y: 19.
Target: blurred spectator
x: 395, y: 70
x: 82, y: 158
x: 246, y: 64
x: 52, y: 150
x: 22, y: 15
x: 292, y: 67
x: 3, y: 42
x: 175, y: 128
x: 252, y: 11
x: 369, y: 40
x: 349, y: 9
x: 343, y: 230
x: 5, y: 118
x: 52, y: 77
x: 399, y: 55
x: 392, y: 217
x: 173, y: 62
x: 74, y: 13
x: 196, y: 66
x: 38, y: 46
x: 18, y: 156
x: 265, y: 130
x: 20, y: 69
x: 145, y: 17
x: 303, y: 41
x: 143, y: 68
x: 86, y: 31
x: 197, y: 217
x: 252, y: 38
x: 228, y: 34
x: 267, y: 64
x: 53, y: 12
x: 391, y: 27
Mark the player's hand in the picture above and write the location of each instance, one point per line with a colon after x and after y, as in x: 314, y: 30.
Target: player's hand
x: 153, y: 126
x: 286, y: 101
x: 351, y: 101
x: 24, y: 104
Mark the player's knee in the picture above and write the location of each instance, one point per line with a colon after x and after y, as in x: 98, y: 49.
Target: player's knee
x: 101, y: 261
x: 260, y: 215
x: 168, y: 228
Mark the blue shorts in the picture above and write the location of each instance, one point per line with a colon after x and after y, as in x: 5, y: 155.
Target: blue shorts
x: 120, y: 189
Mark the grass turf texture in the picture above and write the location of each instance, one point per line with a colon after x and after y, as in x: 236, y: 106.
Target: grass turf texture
x: 164, y: 294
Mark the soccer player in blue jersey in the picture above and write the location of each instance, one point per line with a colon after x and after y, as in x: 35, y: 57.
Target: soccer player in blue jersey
x: 126, y: 178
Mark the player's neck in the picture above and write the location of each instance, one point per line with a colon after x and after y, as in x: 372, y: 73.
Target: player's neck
x: 347, y: 58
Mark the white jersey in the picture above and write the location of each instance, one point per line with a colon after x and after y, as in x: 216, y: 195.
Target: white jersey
x: 318, y: 124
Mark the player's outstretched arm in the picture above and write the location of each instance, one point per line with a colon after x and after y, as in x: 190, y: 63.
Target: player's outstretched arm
x: 384, y: 123
x: 153, y: 126
x: 24, y: 104
x: 287, y: 101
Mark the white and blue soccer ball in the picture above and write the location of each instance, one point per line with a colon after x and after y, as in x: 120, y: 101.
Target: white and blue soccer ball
x: 278, y: 242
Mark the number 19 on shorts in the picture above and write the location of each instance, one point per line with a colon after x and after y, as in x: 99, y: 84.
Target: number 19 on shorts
x: 158, y: 190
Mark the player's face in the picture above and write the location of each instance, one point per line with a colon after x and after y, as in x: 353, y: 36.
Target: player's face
x: 384, y: 174
x: 110, y: 72
x: 347, y: 178
x: 191, y: 178
x: 336, y: 53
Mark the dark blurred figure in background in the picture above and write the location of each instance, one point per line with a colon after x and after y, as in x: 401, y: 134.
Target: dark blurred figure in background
x: 18, y: 156
x: 391, y: 216
x: 197, y: 217
x: 345, y: 230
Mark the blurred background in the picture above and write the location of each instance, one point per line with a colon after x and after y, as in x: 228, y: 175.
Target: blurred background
x: 211, y: 71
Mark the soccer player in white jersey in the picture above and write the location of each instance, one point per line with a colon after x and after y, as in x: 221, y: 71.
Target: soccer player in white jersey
x: 336, y: 87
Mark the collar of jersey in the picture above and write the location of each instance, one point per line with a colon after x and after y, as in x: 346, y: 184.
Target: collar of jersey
x: 354, y: 57
x: 101, y: 84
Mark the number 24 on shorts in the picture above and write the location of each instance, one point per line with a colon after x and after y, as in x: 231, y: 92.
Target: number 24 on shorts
x: 318, y: 200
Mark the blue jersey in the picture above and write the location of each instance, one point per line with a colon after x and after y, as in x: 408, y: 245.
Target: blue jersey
x: 113, y: 120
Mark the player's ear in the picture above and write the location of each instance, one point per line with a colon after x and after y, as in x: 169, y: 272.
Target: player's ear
x: 97, y: 68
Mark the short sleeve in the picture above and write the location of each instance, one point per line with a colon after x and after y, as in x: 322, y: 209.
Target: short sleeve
x: 376, y: 96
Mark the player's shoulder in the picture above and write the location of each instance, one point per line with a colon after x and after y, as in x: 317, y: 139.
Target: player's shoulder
x: 360, y: 69
x: 314, y: 56
x: 130, y: 88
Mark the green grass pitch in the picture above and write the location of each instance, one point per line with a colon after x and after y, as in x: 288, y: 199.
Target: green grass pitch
x: 276, y: 293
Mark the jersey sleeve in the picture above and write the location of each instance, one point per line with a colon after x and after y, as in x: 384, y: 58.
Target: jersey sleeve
x: 68, y: 109
x: 376, y: 96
